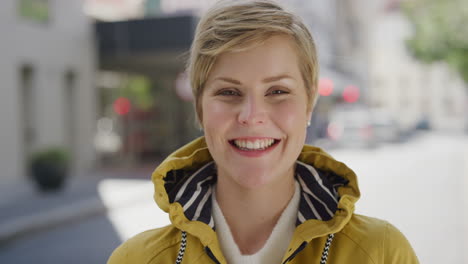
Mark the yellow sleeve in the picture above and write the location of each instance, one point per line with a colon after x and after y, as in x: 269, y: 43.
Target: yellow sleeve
x: 397, y: 249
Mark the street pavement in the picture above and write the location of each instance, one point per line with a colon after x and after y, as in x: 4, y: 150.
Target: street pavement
x: 418, y: 186
x: 34, y: 226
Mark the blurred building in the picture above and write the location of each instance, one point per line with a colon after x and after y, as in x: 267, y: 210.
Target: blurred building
x: 47, y: 93
x: 152, y: 48
x: 114, y: 10
x: 416, y: 94
x: 151, y: 44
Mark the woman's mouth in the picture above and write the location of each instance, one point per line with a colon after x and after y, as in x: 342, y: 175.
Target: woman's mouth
x: 254, y: 144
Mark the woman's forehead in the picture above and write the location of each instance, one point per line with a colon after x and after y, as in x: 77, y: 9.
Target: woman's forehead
x: 276, y: 58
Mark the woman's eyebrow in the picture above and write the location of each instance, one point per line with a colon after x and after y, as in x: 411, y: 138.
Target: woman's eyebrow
x: 266, y: 80
x: 227, y: 79
x: 277, y: 78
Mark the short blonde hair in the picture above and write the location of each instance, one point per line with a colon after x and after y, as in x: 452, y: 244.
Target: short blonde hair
x: 236, y: 25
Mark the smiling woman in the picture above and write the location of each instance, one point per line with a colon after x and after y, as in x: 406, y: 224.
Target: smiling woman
x: 250, y: 191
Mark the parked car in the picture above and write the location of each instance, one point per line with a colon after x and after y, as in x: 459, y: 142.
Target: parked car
x: 423, y: 123
x: 351, y: 126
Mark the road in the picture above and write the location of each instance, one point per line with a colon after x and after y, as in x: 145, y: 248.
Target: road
x: 418, y: 186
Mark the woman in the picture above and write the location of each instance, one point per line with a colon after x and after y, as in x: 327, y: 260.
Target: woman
x: 250, y: 191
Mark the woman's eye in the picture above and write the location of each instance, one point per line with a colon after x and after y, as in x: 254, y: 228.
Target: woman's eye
x: 277, y: 92
x: 228, y: 93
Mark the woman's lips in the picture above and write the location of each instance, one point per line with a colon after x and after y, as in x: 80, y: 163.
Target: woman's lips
x: 253, y: 151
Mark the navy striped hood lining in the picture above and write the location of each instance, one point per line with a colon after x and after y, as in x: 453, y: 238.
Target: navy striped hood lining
x: 192, y: 189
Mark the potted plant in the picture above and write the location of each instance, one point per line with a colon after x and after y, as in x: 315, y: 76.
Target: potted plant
x: 49, y: 168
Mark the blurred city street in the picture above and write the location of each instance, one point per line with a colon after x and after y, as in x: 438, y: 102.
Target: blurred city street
x: 96, y: 93
x: 418, y: 186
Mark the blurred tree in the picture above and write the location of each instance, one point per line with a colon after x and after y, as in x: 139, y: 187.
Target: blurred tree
x: 440, y: 32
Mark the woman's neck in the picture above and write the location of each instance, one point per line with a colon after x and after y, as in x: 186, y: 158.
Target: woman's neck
x: 253, y: 213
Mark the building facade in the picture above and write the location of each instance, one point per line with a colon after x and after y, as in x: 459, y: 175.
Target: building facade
x: 412, y: 91
x: 47, y: 96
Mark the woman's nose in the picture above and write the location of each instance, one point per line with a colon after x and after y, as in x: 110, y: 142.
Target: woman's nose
x: 252, y: 111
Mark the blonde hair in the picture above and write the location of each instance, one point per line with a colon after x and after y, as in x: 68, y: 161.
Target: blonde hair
x: 236, y: 25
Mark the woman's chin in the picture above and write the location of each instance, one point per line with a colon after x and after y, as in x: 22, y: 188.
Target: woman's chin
x: 252, y: 180
x: 252, y: 175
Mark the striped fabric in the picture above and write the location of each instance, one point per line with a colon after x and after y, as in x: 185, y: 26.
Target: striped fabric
x: 192, y: 190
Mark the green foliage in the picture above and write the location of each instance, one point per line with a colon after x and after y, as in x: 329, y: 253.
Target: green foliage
x: 49, y: 168
x: 139, y: 90
x: 51, y: 155
x: 440, y: 32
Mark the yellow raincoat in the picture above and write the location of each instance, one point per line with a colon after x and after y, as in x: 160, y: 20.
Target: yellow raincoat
x: 357, y: 239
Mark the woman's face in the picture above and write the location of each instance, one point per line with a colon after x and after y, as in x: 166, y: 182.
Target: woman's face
x: 255, y: 113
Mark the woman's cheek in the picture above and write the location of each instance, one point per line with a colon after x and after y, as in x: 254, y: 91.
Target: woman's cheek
x: 216, y: 119
x: 217, y: 112
x: 290, y: 115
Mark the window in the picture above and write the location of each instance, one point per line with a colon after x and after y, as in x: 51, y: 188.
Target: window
x: 27, y: 106
x: 70, y: 125
x: 35, y: 10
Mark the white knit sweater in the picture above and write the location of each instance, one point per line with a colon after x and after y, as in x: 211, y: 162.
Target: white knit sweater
x: 276, y: 245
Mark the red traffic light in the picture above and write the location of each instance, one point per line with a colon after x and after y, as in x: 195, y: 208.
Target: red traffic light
x: 122, y: 106
x: 351, y: 94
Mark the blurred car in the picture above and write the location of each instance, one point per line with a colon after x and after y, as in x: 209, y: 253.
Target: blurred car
x: 423, y: 123
x: 351, y: 126
x: 386, y: 128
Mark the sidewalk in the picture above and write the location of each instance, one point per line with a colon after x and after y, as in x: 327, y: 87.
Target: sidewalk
x: 25, y: 211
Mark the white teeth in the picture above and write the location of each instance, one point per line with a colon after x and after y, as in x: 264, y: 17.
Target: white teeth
x: 250, y: 145
x: 258, y: 144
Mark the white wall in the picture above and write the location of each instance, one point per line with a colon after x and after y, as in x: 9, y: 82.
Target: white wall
x: 64, y: 43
